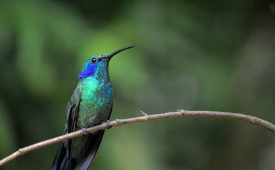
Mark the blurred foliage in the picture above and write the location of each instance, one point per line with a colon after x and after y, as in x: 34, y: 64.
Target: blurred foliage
x: 196, y: 55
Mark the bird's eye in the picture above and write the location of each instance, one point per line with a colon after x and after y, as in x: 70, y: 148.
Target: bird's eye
x: 93, y: 60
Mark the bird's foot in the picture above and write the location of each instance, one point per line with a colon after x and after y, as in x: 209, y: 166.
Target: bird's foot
x: 109, y: 124
x: 85, y: 132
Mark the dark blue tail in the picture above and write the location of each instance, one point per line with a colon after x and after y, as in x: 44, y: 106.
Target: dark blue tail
x: 61, y: 160
x: 83, y: 161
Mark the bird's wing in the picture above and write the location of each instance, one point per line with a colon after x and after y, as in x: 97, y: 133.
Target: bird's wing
x: 62, y: 160
x: 73, y: 110
x: 72, y: 116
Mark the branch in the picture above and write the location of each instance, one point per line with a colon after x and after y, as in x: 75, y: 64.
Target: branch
x: 143, y: 118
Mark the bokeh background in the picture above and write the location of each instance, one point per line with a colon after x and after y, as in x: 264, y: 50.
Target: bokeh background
x: 193, y: 55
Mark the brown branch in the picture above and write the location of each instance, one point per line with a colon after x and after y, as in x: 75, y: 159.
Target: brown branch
x: 143, y: 118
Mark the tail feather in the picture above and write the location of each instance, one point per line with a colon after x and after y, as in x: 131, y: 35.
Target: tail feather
x: 95, y: 141
x: 62, y: 162
x: 65, y: 165
x: 61, y: 159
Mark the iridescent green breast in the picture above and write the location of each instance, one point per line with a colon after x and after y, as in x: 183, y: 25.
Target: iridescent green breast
x: 96, y: 101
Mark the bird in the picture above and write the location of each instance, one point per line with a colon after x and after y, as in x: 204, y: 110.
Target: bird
x: 90, y: 104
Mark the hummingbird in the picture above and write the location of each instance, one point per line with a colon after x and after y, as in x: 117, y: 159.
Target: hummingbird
x: 90, y: 105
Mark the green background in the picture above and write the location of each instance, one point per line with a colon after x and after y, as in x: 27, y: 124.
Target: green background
x: 193, y: 55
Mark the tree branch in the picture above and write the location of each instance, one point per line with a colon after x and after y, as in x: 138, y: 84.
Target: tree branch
x: 143, y: 118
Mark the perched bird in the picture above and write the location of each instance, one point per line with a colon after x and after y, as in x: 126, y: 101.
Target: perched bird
x: 90, y: 105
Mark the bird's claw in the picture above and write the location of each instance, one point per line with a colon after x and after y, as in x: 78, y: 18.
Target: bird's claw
x: 85, y: 132
x: 109, y: 124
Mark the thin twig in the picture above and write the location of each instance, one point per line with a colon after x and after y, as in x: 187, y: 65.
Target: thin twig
x: 144, y: 118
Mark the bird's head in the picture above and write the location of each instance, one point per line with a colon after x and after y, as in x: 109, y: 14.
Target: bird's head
x: 98, y: 63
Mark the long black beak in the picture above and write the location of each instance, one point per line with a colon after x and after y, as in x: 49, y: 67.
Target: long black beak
x: 118, y: 51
